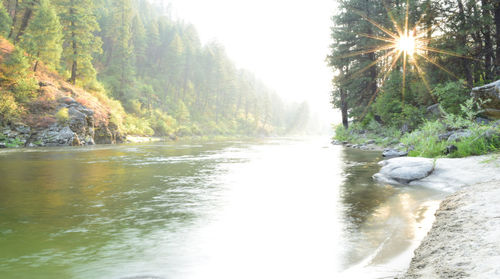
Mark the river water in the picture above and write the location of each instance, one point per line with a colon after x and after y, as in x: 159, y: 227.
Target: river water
x: 274, y: 208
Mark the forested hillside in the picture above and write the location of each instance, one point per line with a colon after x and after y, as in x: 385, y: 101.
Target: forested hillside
x: 166, y: 81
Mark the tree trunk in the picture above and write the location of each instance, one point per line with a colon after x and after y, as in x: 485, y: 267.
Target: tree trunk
x: 497, y: 37
x: 26, y: 19
x: 343, y: 108
x: 74, y: 65
x: 462, y: 38
x: 488, y: 44
x: 13, y: 15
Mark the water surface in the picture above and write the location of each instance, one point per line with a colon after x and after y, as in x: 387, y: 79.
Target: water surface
x: 276, y: 208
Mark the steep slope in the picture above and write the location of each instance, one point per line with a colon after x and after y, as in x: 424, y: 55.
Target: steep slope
x: 59, y: 113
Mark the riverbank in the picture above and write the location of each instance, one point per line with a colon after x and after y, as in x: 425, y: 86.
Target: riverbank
x: 463, y: 241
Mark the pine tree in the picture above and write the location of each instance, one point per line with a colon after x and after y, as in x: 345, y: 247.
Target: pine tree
x: 77, y: 16
x: 120, y: 73
x: 43, y: 36
x: 5, y: 21
x: 140, y: 44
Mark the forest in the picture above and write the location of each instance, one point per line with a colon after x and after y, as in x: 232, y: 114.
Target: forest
x: 166, y: 81
x: 394, y: 61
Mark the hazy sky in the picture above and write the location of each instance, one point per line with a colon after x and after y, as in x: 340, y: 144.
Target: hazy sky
x: 284, y: 42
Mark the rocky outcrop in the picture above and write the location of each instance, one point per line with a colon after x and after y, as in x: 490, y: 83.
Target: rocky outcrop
x: 489, y: 92
x: 79, y: 129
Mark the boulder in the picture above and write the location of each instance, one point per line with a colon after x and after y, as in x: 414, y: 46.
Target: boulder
x: 457, y: 136
x: 450, y: 149
x: 394, y: 153
x: 434, y: 112
x: 404, y: 170
x: 3, y: 145
x: 489, y: 92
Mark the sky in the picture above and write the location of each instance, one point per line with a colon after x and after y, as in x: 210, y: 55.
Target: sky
x: 284, y: 42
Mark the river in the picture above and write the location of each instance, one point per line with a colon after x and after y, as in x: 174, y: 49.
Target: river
x: 271, y: 208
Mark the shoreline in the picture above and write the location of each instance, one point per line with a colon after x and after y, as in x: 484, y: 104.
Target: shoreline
x: 463, y: 239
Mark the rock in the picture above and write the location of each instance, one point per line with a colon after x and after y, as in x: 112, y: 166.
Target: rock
x: 489, y: 92
x: 457, y: 136
x: 89, y: 141
x: 77, y: 121
x: 450, y: 149
x: 404, y: 170
x: 482, y: 121
x: 394, y: 153
x: 3, y: 145
x: 76, y: 141
x: 491, y: 133
x: 434, y: 112
x: 67, y: 100
x: 22, y: 129
x: 370, y: 142
x: 445, y: 136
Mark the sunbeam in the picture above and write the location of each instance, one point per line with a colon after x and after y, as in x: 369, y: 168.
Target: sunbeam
x: 407, y: 43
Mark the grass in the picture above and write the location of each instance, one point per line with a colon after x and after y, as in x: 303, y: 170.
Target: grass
x: 425, y: 141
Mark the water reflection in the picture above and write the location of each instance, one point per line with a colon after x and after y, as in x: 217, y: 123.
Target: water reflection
x: 383, y: 223
x: 257, y: 209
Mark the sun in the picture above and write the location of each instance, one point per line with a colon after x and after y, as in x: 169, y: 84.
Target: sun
x: 402, y: 43
x: 407, y: 43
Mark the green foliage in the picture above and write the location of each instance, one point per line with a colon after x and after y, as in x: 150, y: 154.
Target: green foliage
x: 16, y: 76
x: 5, y: 21
x: 425, y: 141
x: 79, y: 41
x: 137, y: 126
x: 9, y: 109
x: 451, y: 95
x: 482, y: 141
x: 62, y: 116
x: 162, y: 123
x: 43, y: 36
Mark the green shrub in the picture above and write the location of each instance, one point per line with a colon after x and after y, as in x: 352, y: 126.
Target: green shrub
x: 62, y: 116
x: 483, y: 140
x: 9, y: 109
x: 451, y: 95
x: 425, y: 141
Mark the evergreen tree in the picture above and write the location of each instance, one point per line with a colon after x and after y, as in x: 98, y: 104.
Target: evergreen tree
x: 43, y: 36
x: 5, y: 21
x: 120, y: 73
x: 139, y: 43
x: 77, y: 16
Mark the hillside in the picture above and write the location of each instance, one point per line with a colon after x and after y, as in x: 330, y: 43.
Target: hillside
x: 57, y: 112
x: 106, y: 69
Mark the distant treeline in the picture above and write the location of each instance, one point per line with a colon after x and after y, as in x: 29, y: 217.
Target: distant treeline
x: 154, y: 65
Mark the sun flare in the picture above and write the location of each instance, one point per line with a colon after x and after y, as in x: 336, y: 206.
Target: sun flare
x: 407, y: 43
x: 411, y: 46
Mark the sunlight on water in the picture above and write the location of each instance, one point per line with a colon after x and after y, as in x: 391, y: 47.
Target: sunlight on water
x: 283, y: 208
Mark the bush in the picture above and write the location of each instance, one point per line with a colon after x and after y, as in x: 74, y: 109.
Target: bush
x: 9, y: 109
x: 62, y: 116
x: 162, y: 123
x: 451, y: 95
x: 482, y: 141
x: 425, y: 141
